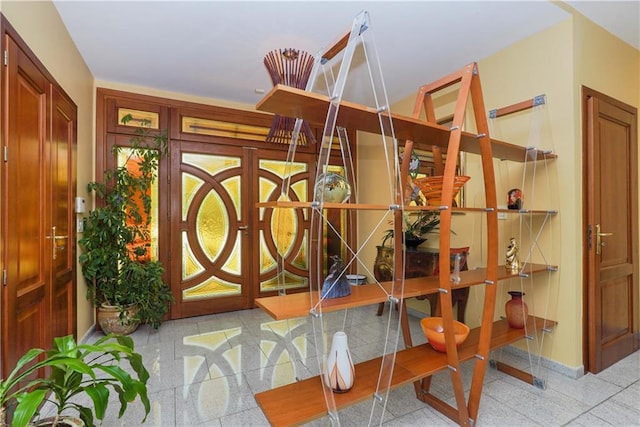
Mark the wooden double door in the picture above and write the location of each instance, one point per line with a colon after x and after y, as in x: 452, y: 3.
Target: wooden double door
x: 225, y: 254
x: 37, y: 217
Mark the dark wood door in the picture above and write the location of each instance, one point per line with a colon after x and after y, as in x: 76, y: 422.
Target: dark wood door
x: 611, y: 212
x: 28, y: 259
x: 63, y: 182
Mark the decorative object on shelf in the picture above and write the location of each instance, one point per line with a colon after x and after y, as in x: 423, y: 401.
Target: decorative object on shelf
x: 290, y: 67
x: 431, y: 187
x: 356, y: 279
x: 512, y: 261
x: 416, y: 225
x: 339, y: 372
x: 515, y: 199
x: 516, y: 310
x: 332, y: 188
x: 336, y: 284
x: 434, y: 331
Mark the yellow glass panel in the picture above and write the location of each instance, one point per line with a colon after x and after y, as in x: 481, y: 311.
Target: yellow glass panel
x: 301, y: 260
x: 190, y: 186
x: 139, y: 118
x: 124, y: 156
x: 212, y: 225
x: 233, y: 187
x: 284, y: 227
x: 233, y: 264
x: 266, y: 188
x: 290, y: 281
x: 212, y: 287
x: 226, y: 129
x: 211, y: 164
x: 267, y: 262
x: 281, y: 168
x: 190, y: 266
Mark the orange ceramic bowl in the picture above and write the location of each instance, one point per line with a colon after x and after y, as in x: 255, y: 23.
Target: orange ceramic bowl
x: 432, y: 328
x: 431, y: 187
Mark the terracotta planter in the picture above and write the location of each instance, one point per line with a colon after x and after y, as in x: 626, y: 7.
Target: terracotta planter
x: 110, y: 321
x: 63, y: 421
x: 516, y: 310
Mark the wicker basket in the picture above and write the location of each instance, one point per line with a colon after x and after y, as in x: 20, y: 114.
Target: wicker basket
x: 431, y: 187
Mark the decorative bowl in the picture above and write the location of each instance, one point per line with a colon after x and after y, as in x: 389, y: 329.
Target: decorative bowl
x: 433, y: 329
x: 356, y: 279
x: 431, y: 187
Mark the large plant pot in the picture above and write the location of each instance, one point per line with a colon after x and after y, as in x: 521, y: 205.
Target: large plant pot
x: 64, y: 421
x: 110, y: 321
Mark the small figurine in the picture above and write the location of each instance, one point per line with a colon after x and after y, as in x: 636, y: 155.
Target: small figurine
x: 512, y: 261
x: 335, y: 285
x: 515, y: 199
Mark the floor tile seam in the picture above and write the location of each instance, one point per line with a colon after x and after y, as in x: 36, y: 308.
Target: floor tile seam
x: 587, y: 412
x: 619, y: 402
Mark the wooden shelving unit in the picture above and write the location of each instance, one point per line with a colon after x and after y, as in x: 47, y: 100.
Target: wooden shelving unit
x: 292, y: 102
x: 300, y: 304
x: 305, y: 400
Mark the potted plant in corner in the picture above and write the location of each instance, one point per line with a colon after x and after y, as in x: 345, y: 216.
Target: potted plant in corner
x: 123, y: 282
x: 81, y: 378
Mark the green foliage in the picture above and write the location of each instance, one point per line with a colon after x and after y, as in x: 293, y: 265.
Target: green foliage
x: 93, y: 369
x: 112, y: 253
x: 416, y: 225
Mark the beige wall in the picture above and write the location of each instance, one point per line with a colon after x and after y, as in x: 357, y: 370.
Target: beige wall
x: 582, y: 54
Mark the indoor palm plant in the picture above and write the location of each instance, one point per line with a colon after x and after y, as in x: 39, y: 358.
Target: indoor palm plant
x: 121, y: 276
x: 94, y: 370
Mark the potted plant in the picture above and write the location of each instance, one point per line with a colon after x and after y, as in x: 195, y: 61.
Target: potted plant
x: 416, y: 225
x: 122, y: 279
x: 93, y: 370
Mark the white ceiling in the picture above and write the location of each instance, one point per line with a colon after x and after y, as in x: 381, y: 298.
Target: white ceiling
x: 215, y: 48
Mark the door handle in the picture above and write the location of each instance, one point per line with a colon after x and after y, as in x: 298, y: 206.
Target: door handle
x: 243, y: 227
x: 599, y: 236
x: 56, y: 238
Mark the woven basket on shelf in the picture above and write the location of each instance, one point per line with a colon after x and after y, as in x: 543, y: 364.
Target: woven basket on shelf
x: 431, y: 187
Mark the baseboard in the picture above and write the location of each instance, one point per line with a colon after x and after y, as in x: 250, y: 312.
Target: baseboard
x: 568, y: 371
x: 87, y: 334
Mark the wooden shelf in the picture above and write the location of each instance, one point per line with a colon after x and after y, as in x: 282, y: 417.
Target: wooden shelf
x: 292, y: 102
x: 366, y: 206
x: 290, y: 306
x: 304, y: 400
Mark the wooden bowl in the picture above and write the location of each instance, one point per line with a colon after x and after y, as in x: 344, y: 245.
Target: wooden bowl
x: 434, y: 331
x: 431, y: 187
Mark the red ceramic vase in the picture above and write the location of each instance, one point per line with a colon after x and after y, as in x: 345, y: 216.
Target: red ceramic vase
x: 516, y: 310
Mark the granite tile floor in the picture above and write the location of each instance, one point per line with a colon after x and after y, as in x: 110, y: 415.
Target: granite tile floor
x: 205, y: 371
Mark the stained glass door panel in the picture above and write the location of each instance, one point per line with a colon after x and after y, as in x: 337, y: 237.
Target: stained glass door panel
x: 213, y: 232
x: 283, y: 232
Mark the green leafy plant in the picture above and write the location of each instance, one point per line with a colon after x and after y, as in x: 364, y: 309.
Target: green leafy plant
x: 94, y: 370
x: 115, y: 245
x: 415, y: 225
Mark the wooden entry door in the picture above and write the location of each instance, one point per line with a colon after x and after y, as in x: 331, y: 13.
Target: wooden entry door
x: 611, y: 213
x: 224, y: 251
x: 38, y: 234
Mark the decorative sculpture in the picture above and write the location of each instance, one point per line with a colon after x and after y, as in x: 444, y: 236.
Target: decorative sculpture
x: 293, y: 68
x: 336, y: 285
x: 512, y: 261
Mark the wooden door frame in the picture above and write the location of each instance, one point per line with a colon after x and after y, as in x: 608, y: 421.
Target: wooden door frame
x: 587, y: 209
